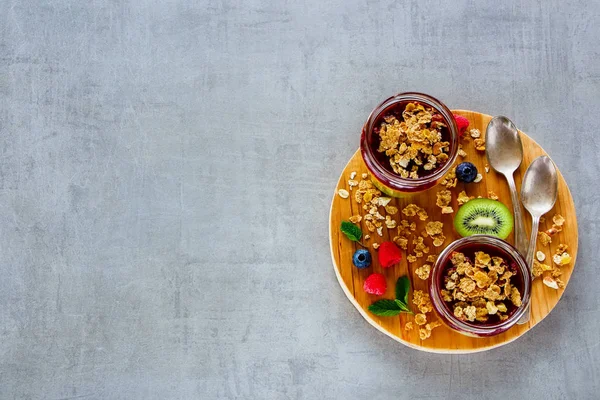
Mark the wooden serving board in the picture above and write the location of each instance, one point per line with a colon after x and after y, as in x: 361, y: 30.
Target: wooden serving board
x: 443, y: 339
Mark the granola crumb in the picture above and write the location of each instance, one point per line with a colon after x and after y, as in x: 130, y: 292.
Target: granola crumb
x: 367, y: 237
x: 492, y: 195
x: 365, y: 175
x: 544, y: 238
x: 463, y: 198
x: 355, y: 219
x: 423, y: 271
x: 479, y: 144
x: 353, y: 175
x: 475, y: 133
x: 408, y: 326
x: 478, y: 178
x: 420, y: 319
x: 376, y: 245
x: 487, y: 168
x: 558, y: 220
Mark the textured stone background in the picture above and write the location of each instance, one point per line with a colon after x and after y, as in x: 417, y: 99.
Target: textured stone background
x: 166, y: 170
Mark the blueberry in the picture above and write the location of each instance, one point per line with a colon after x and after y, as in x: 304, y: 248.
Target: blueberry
x: 466, y: 172
x: 361, y: 258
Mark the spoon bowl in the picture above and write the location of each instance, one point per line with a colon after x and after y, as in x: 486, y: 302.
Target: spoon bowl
x: 540, y: 186
x: 504, y: 149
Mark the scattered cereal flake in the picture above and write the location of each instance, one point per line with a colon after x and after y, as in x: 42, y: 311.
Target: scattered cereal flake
x: 391, y: 210
x: 558, y: 220
x: 431, y: 258
x: 539, y: 268
x: 478, y: 178
x: 439, y: 240
x: 408, y: 326
x: 423, y: 271
x: 540, y: 256
x: 401, y: 241
x: 365, y: 175
x: 544, y: 238
x: 367, y: 237
x: 487, y: 168
x: 434, y: 228
x: 461, y: 152
x: 352, y: 183
x: 475, y: 133
x: 420, y: 319
x: 343, y: 193
x: 542, y: 219
x: 561, y: 248
x: 358, y: 196
x: 352, y: 174
x: 492, y: 195
x: 376, y: 245
x: 411, y: 210
x: 411, y: 258
x: 444, y: 197
x: 389, y: 222
x: 422, y: 301
x: 550, y: 282
x: 384, y: 201
x: 479, y: 144
x: 424, y: 333
x: 447, y: 210
x: 380, y: 231
x: 355, y: 219
x: 463, y: 198
x: 450, y: 179
x: 370, y: 226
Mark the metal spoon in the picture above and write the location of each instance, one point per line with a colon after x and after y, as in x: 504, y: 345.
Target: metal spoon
x: 504, y: 152
x: 538, y: 193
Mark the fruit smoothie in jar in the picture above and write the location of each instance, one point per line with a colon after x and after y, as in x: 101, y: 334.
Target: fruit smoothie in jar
x: 409, y: 142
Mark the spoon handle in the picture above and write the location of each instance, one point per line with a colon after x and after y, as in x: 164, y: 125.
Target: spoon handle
x: 520, y: 235
x: 529, y: 259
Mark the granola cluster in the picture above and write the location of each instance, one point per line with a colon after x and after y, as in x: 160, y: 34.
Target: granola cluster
x: 423, y: 303
x: 479, y: 291
x: 414, y: 145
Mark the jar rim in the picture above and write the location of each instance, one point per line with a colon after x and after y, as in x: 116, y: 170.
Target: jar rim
x: 444, y: 311
x: 393, y: 179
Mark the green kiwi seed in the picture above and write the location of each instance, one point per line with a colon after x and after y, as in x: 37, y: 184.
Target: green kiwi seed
x: 484, y: 216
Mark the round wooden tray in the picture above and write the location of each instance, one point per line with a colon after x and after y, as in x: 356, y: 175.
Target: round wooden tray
x: 443, y: 339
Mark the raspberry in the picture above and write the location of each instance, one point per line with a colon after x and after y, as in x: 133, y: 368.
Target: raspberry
x: 389, y: 254
x: 462, y: 123
x: 375, y: 284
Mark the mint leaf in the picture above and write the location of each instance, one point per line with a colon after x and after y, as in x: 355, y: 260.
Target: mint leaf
x: 404, y: 307
x: 352, y: 231
x: 402, y: 289
x: 385, y: 308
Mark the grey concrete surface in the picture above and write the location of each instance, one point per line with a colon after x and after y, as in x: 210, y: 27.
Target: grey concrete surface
x: 166, y: 170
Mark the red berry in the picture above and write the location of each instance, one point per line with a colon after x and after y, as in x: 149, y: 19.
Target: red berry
x: 389, y: 254
x: 375, y: 284
x: 462, y: 123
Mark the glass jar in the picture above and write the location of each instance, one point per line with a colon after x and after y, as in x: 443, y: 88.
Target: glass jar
x: 494, y: 246
x: 382, y: 175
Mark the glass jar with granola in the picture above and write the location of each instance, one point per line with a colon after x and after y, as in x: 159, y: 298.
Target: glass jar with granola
x: 480, y: 286
x: 409, y: 143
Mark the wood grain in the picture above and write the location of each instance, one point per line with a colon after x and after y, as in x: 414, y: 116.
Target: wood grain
x: 443, y: 339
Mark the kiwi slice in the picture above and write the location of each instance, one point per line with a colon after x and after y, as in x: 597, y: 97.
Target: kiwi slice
x: 484, y: 216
